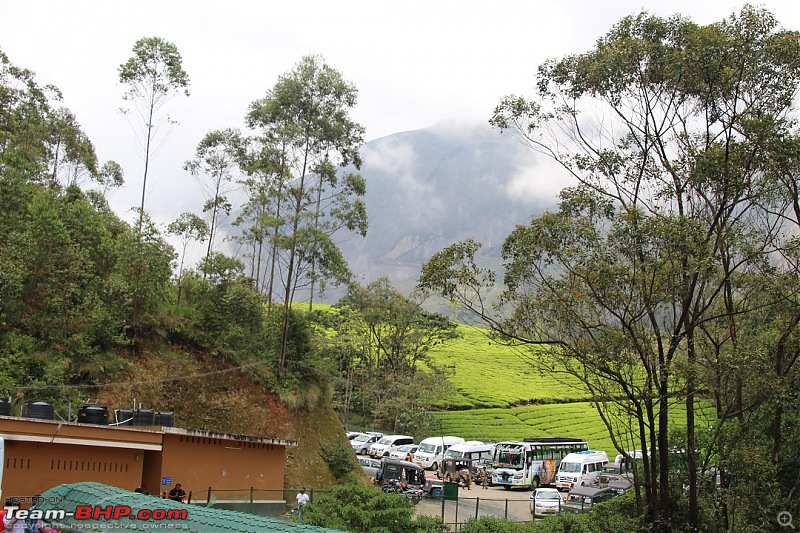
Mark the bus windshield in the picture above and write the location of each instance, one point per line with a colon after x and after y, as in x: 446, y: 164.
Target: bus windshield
x: 509, y: 454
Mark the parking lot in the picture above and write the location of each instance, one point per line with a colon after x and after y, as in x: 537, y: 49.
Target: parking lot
x: 512, y: 505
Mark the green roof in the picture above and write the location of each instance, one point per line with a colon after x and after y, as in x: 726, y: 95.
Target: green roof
x: 198, y: 520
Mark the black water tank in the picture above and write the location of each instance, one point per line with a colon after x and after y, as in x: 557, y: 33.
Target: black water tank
x: 124, y: 417
x: 165, y: 419
x: 93, y: 414
x: 40, y: 410
x: 5, y: 407
x: 144, y: 417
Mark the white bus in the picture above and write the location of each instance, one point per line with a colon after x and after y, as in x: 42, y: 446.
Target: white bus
x: 531, y: 462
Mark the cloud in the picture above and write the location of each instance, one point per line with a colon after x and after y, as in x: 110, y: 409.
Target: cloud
x: 393, y: 157
x: 537, y: 179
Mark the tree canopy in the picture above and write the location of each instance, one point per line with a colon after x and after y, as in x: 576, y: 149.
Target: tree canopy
x: 679, y: 228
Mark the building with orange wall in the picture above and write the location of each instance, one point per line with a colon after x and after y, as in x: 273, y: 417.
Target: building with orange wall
x: 41, y: 454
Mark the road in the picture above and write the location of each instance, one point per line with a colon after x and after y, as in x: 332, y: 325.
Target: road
x: 512, y: 505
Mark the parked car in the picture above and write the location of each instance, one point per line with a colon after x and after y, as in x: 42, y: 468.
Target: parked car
x: 403, y: 452
x: 362, y: 443
x: 353, y: 434
x: 582, y: 499
x: 370, y: 466
x: 545, y: 502
x: 384, y: 444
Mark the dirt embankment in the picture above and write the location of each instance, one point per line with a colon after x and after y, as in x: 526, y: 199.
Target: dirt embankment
x: 210, y: 394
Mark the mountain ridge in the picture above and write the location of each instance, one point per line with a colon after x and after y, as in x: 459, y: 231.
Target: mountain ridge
x: 429, y: 188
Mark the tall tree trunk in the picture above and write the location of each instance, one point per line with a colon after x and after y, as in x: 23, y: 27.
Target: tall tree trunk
x: 663, y: 449
x: 288, y: 293
x: 691, y: 460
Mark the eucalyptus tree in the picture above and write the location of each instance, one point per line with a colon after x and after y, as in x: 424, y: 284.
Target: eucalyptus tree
x: 671, y: 131
x: 39, y: 141
x: 72, y: 155
x: 110, y: 176
x: 305, y: 116
x: 213, y: 166
x: 187, y: 227
x: 154, y: 74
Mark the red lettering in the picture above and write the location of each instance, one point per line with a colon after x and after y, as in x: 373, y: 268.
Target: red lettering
x: 144, y: 514
x: 159, y: 514
x: 177, y: 514
x: 103, y: 512
x: 83, y: 512
x: 121, y: 511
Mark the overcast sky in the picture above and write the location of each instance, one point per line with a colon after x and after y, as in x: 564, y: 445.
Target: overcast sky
x: 415, y: 63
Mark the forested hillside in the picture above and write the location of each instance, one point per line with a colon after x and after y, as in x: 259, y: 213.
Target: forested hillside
x: 93, y: 308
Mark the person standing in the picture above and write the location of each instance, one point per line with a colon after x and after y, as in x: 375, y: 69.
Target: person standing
x: 177, y: 493
x: 484, y: 478
x: 302, y: 500
x: 466, y: 476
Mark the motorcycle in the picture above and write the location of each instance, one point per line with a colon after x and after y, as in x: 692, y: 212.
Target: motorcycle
x: 395, y: 486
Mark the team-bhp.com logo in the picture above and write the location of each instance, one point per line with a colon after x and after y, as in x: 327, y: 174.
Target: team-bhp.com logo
x: 97, y: 512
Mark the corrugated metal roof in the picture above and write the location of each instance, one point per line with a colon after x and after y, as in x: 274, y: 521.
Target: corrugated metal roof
x: 198, y: 520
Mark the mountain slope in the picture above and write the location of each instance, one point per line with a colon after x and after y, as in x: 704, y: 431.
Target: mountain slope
x: 429, y: 188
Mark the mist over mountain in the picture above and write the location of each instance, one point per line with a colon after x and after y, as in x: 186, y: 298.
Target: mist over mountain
x: 429, y: 188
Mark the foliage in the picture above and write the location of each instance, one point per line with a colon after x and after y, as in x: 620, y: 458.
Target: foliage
x: 676, y: 240
x: 378, y: 338
x: 368, y: 510
x: 153, y: 74
x: 213, y: 166
x: 490, y: 524
x: 306, y: 136
x: 338, y: 455
x: 617, y: 514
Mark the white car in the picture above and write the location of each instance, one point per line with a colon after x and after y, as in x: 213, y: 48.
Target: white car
x: 388, y: 442
x: 545, y: 502
x: 403, y: 452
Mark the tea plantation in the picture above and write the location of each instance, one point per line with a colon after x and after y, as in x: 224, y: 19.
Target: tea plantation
x: 503, y: 393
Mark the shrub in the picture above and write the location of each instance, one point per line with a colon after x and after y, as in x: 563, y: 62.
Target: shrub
x: 338, y: 455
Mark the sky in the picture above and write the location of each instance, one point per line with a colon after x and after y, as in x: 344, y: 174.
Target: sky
x: 415, y: 63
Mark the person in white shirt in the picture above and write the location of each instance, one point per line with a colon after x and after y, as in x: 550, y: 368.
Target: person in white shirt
x: 302, y: 500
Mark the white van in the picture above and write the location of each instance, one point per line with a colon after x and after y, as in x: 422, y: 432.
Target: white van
x: 580, y: 469
x: 388, y: 442
x: 478, y: 452
x: 431, y: 451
